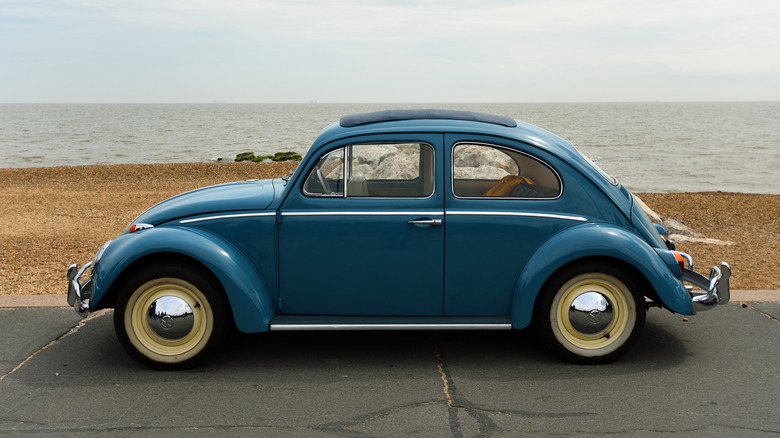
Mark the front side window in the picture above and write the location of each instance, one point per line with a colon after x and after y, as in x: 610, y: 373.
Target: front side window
x: 488, y: 171
x: 374, y: 171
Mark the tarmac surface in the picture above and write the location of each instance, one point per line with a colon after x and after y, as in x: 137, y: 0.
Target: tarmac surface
x: 715, y: 374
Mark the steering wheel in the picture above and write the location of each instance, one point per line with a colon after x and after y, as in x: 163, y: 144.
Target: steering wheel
x: 323, y: 182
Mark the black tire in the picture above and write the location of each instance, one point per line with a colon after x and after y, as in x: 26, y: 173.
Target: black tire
x: 590, y: 314
x: 170, y: 316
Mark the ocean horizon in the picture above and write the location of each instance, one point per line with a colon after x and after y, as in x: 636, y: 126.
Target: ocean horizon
x: 648, y: 146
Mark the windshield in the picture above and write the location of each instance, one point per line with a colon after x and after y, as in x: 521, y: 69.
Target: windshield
x: 611, y: 179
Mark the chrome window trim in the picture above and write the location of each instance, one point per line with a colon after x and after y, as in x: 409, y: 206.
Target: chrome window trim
x: 226, y: 216
x: 343, y: 176
x: 306, y: 327
x: 481, y: 143
x: 513, y: 213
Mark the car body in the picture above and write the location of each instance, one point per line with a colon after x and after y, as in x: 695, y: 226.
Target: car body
x: 400, y: 219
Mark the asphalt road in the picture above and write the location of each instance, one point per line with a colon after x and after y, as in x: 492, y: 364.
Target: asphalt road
x: 715, y: 375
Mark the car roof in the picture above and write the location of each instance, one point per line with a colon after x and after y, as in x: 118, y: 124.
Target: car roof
x: 444, y: 121
x: 424, y: 114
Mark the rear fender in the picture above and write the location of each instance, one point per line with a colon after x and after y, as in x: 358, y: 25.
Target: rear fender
x: 595, y: 240
x: 247, y: 294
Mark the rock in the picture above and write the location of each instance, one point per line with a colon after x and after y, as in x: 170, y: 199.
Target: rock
x: 364, y: 170
x: 287, y: 156
x: 478, y: 156
x: 481, y: 172
x: 706, y: 240
x: 399, y: 166
x: 245, y: 156
x: 673, y: 226
x: 279, y: 156
x: 676, y: 230
x: 373, y: 155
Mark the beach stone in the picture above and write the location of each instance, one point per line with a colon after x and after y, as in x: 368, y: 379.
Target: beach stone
x: 287, y: 156
x: 676, y: 230
x: 398, y: 166
x: 373, y: 155
x: 364, y: 170
x: 245, y: 156
x: 673, y: 226
x: 478, y: 156
x: 481, y: 172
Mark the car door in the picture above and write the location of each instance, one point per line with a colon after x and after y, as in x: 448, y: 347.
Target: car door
x: 501, y: 206
x: 363, y: 234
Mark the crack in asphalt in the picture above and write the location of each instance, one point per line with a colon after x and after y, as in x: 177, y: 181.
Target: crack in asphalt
x: 341, y: 427
x: 486, y: 424
x: 750, y: 306
x: 456, y: 402
x: 70, y: 331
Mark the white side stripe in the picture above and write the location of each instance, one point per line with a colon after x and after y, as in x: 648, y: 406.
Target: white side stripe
x: 514, y: 213
x: 227, y: 216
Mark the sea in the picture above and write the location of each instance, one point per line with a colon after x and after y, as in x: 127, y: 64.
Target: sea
x: 649, y: 147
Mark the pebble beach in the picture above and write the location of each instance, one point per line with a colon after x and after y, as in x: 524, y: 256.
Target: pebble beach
x: 54, y: 216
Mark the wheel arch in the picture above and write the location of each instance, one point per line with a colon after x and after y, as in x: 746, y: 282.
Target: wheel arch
x: 246, y: 295
x: 109, y: 297
x: 637, y: 277
x: 598, y: 243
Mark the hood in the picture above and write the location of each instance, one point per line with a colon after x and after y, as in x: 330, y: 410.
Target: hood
x: 238, y: 196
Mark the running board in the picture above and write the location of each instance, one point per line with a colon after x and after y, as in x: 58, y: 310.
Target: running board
x: 330, y: 323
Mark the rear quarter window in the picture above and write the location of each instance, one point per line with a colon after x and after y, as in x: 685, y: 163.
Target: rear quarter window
x: 489, y: 171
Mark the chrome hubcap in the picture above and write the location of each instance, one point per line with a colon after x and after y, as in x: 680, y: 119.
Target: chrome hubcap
x: 170, y: 318
x: 590, y: 313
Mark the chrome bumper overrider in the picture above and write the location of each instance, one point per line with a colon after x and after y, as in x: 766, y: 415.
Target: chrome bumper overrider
x: 716, y: 287
x: 79, y: 292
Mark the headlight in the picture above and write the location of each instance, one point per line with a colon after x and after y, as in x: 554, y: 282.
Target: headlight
x: 99, y: 254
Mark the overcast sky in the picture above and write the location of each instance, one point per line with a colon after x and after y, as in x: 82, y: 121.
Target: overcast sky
x: 75, y: 51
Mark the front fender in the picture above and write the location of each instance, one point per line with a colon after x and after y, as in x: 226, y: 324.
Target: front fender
x: 595, y: 240
x: 248, y: 296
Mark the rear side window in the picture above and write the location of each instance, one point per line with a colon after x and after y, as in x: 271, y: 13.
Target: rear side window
x: 488, y: 171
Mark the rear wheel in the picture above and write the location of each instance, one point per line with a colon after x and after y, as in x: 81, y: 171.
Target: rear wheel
x: 169, y: 316
x: 590, y: 314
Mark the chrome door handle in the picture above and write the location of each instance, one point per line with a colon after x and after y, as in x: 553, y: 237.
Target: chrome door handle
x: 434, y: 222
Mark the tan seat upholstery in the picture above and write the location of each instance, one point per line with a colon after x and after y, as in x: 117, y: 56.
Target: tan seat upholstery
x: 357, y: 186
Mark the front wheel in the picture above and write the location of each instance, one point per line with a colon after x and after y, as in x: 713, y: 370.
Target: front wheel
x: 590, y: 314
x: 170, y: 316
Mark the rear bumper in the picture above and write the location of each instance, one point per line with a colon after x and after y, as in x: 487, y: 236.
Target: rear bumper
x: 79, y: 292
x: 715, y: 288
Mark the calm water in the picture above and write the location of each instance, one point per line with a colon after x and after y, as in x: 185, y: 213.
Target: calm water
x: 649, y: 146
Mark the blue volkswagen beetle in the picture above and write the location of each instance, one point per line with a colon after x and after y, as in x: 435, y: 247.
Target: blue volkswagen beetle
x: 402, y: 219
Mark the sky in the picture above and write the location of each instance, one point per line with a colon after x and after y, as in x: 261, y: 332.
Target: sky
x: 296, y: 51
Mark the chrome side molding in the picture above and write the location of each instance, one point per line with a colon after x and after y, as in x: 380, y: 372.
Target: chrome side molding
x: 402, y: 326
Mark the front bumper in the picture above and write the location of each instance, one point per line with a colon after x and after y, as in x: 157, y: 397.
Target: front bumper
x: 79, y: 292
x: 715, y: 287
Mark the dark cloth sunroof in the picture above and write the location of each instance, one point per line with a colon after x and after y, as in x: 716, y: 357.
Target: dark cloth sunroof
x: 417, y: 114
